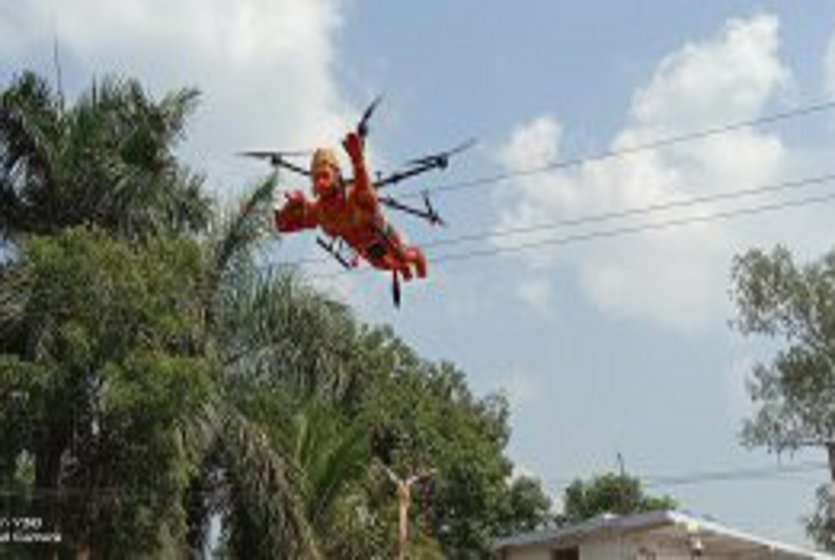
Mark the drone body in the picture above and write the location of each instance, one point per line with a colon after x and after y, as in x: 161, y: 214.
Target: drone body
x: 350, y: 212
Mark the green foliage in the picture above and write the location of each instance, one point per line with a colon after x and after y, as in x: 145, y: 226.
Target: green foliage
x: 424, y: 416
x: 609, y: 493
x: 265, y: 512
x: 795, y: 393
x: 527, y: 508
x: 107, y: 160
x: 106, y: 374
x: 820, y: 526
x: 154, y: 373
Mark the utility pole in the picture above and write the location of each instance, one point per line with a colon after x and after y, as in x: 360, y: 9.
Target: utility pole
x: 404, y: 497
x: 623, y: 499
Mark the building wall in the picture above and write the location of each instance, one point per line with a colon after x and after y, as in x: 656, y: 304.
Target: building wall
x: 606, y: 549
x: 615, y: 548
x: 527, y: 553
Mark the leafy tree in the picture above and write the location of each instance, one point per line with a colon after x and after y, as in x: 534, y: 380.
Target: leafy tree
x: 100, y: 351
x: 107, y: 160
x: 114, y: 360
x: 795, y: 393
x: 609, y: 493
x: 93, y: 333
x: 154, y: 373
x: 820, y: 526
x: 248, y: 478
x: 528, y: 507
x: 424, y: 416
x: 90, y: 340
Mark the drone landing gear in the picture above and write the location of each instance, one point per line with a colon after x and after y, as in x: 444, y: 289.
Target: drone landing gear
x: 429, y: 214
x: 334, y: 247
x: 395, y: 288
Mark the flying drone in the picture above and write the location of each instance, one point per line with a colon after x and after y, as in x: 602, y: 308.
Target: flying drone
x: 349, y: 211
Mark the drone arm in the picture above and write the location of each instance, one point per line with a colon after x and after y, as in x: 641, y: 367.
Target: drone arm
x: 277, y: 159
x: 402, y: 175
x: 292, y: 167
x: 429, y: 214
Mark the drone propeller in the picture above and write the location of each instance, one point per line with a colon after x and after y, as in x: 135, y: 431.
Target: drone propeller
x: 432, y: 215
x: 264, y: 154
x: 422, y: 165
x: 441, y: 159
x: 429, y: 214
x: 362, y: 127
x: 276, y: 158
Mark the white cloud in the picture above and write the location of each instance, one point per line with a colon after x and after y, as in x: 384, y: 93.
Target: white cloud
x: 724, y: 79
x: 677, y: 276
x: 538, y: 293
x: 264, y: 66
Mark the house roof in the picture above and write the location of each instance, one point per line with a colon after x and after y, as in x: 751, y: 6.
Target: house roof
x: 668, y: 525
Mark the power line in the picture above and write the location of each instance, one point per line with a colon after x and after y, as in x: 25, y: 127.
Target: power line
x: 607, y: 216
x: 799, y: 111
x: 704, y: 133
x: 701, y: 477
x: 610, y: 154
x: 635, y: 211
x: 617, y: 232
x: 737, y: 474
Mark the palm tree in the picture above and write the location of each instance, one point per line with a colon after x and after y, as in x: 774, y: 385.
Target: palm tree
x: 268, y: 372
x: 107, y: 163
x: 282, y: 456
x: 108, y: 160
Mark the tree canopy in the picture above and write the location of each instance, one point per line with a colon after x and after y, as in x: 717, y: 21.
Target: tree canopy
x: 609, y: 493
x: 106, y: 160
x: 795, y: 392
x: 155, y: 374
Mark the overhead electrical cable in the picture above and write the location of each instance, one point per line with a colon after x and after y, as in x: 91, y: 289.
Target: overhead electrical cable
x: 635, y: 211
x: 612, y: 233
x: 608, y: 216
x: 800, y: 111
x: 618, y: 232
x: 737, y: 474
x: 701, y: 477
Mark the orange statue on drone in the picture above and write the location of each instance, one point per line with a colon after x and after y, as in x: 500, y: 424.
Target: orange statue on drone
x: 350, y: 211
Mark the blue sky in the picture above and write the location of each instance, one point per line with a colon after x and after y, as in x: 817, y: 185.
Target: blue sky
x: 618, y: 345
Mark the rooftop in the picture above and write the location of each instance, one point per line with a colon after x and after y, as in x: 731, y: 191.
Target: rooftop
x: 669, y: 526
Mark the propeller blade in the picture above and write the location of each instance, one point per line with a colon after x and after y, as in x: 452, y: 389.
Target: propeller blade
x: 362, y: 127
x: 434, y: 217
x: 277, y: 159
x: 265, y: 154
x: 466, y: 145
x: 256, y: 154
x: 441, y: 158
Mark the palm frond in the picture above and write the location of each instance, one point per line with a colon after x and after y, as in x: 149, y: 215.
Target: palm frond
x: 269, y: 515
